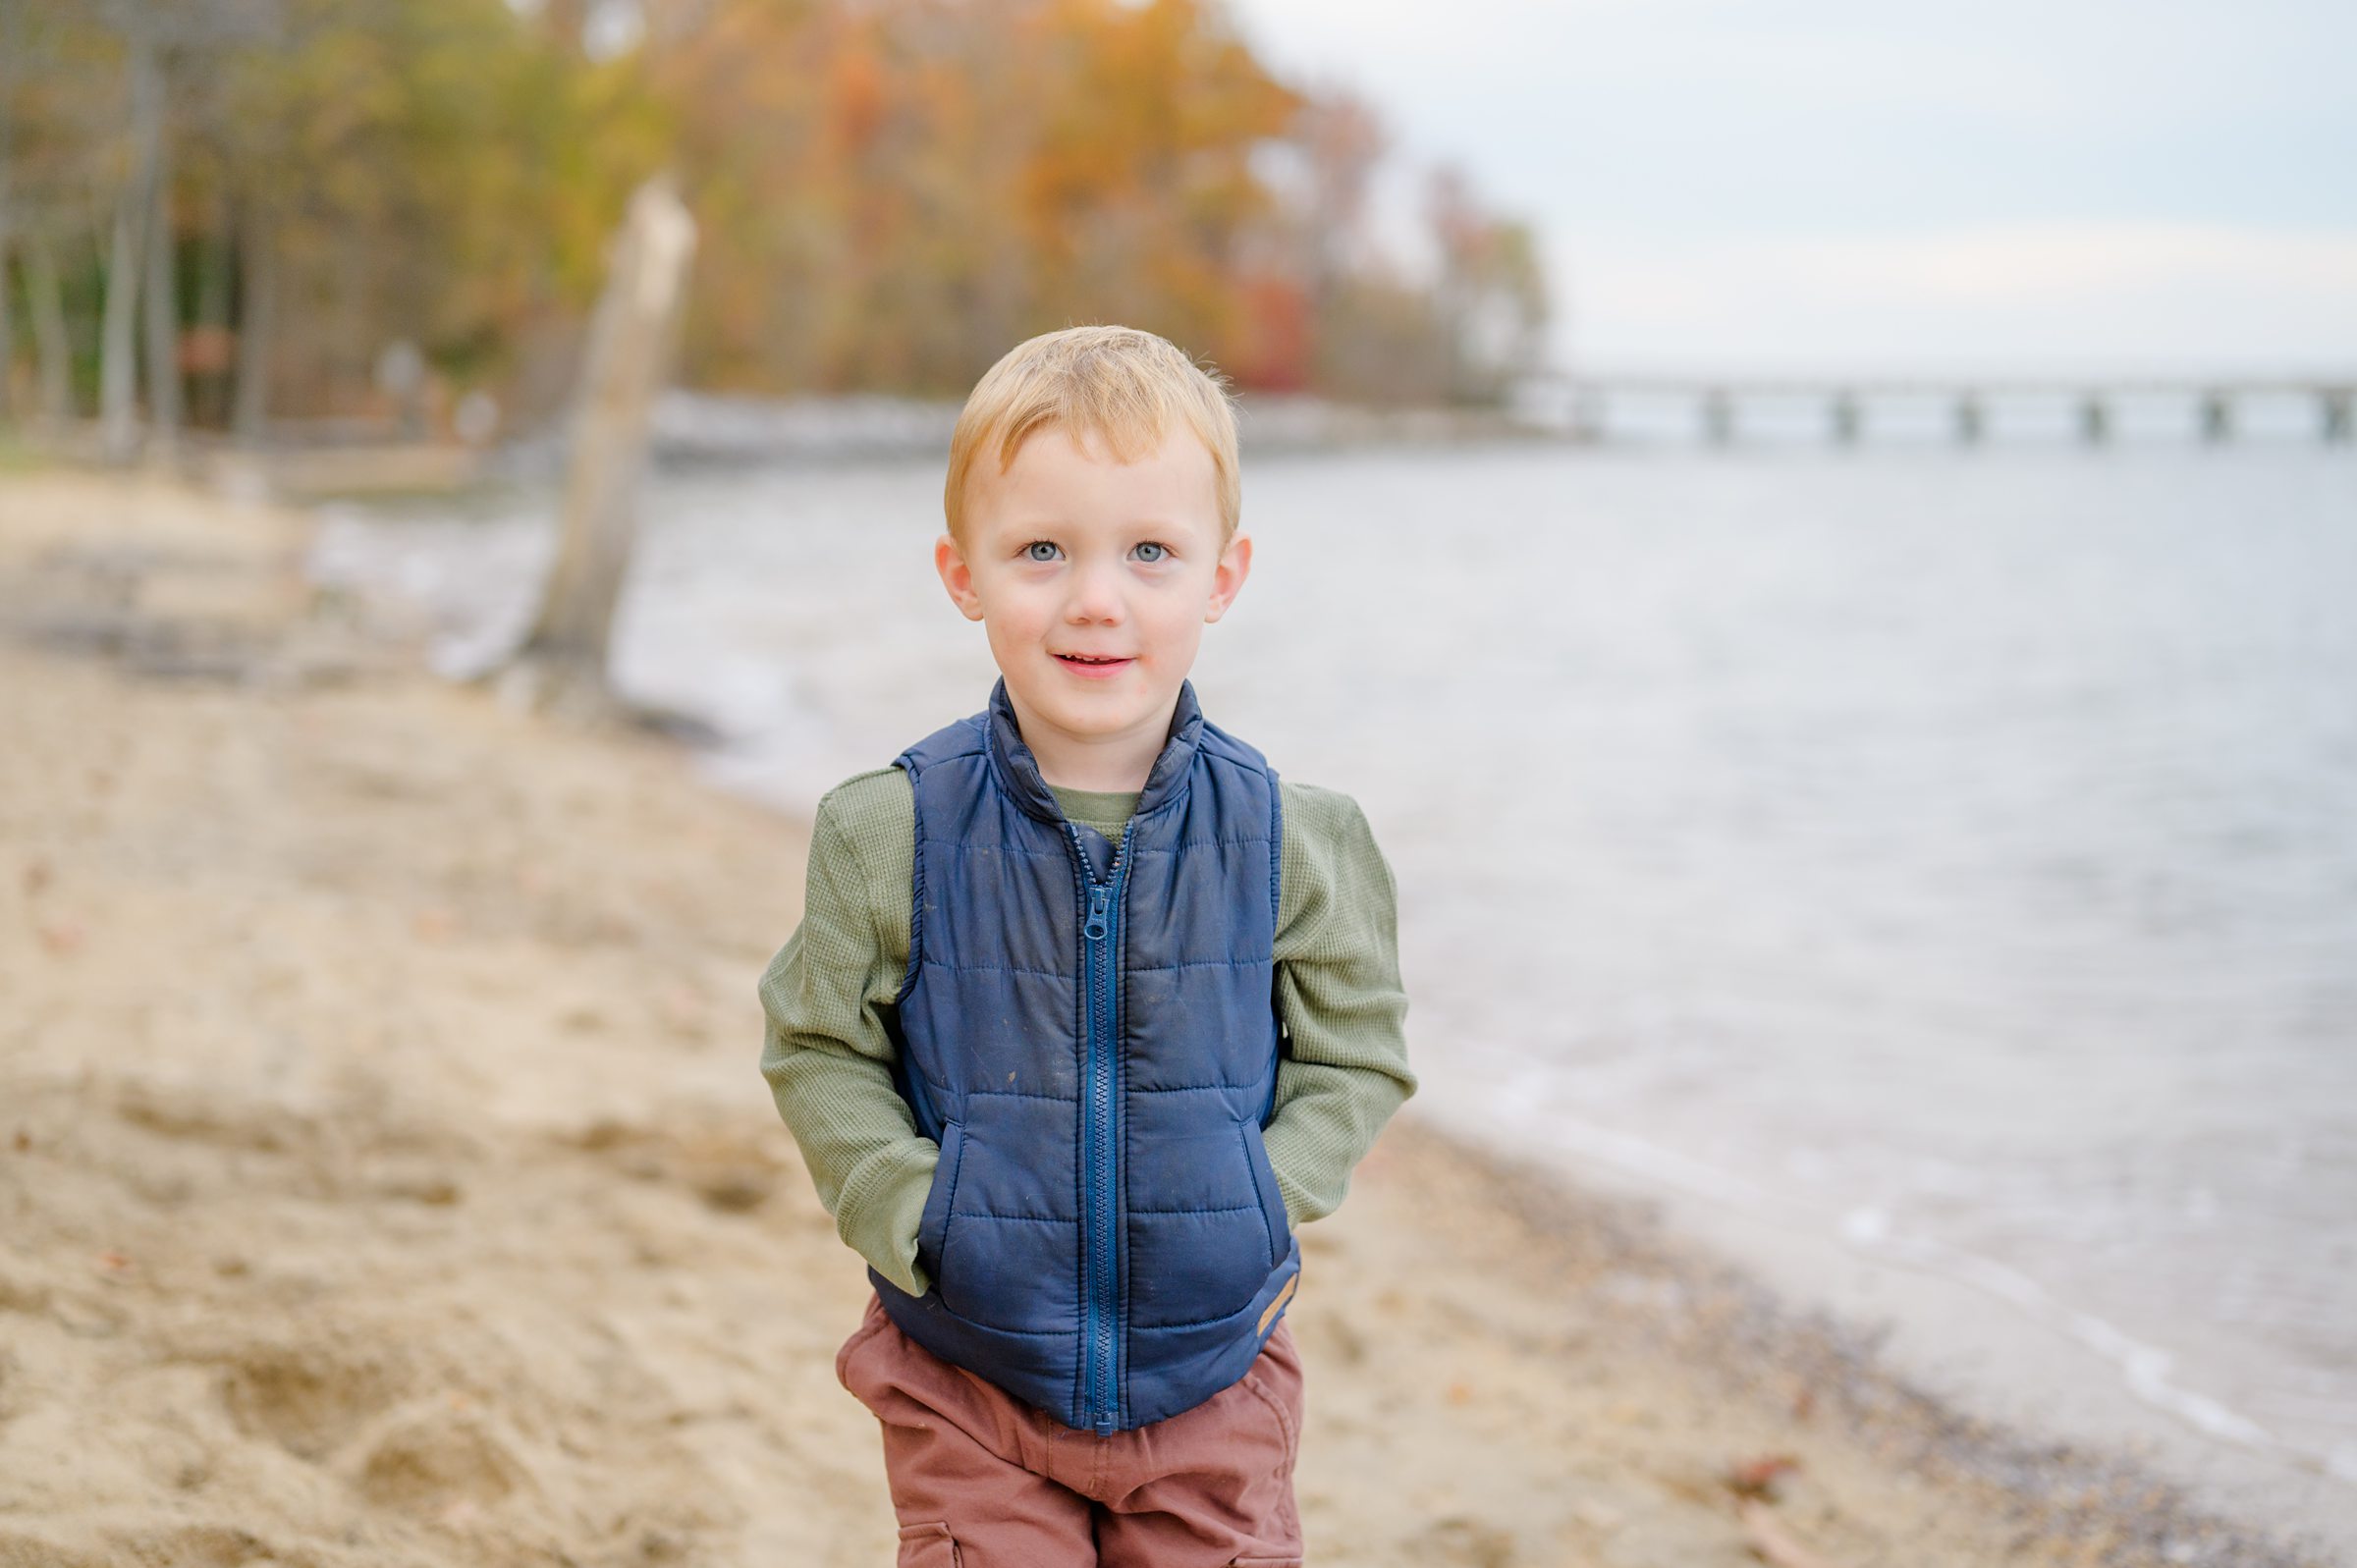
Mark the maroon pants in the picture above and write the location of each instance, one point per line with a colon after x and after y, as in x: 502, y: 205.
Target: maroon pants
x: 981, y: 1479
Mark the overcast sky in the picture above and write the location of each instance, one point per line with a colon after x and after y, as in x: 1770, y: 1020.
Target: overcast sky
x: 1838, y: 184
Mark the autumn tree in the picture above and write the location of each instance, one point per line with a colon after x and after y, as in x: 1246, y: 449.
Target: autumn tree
x: 269, y: 193
x: 1488, y: 294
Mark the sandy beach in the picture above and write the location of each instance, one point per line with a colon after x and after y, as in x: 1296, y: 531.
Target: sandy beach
x: 386, y: 1178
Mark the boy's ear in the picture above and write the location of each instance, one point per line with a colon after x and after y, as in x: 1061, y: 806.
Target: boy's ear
x: 957, y: 576
x: 1227, y: 579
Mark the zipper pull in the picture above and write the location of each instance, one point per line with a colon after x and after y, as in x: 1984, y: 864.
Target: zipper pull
x: 1098, y: 900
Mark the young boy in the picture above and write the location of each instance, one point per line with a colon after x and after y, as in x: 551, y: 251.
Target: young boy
x: 1087, y: 1011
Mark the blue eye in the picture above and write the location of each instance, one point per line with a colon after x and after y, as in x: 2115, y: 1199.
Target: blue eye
x: 1159, y: 551
x: 1031, y: 551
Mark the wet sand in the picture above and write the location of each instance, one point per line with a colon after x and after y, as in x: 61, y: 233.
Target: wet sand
x: 386, y: 1177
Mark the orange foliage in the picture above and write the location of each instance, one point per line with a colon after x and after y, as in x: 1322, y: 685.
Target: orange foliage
x: 907, y: 186
x: 890, y: 193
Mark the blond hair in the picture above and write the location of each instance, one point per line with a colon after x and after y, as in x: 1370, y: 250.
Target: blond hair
x: 1122, y: 386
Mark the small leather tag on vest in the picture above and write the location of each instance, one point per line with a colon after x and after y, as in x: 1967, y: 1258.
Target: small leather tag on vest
x: 1283, y: 1296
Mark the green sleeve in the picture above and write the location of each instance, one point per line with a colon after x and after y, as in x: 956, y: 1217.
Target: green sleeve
x: 1344, y: 1069
x: 825, y: 1051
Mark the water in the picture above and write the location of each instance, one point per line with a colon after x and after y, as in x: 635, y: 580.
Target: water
x: 1956, y: 855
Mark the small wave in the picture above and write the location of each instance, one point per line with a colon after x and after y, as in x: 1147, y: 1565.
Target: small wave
x: 1868, y: 1231
x: 2144, y: 1366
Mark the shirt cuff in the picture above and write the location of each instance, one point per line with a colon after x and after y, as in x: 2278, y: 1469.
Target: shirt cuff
x: 878, y: 1210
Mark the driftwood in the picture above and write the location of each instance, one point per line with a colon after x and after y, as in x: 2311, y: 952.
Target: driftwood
x: 560, y: 665
x: 1771, y: 1542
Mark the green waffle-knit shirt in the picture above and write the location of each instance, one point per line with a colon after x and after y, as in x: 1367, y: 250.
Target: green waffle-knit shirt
x: 828, y: 1059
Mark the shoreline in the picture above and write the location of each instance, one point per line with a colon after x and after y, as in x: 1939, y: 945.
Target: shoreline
x: 1977, y: 1337
x: 305, y: 1102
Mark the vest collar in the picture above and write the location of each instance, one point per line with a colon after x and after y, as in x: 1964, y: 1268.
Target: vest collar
x: 1018, y: 771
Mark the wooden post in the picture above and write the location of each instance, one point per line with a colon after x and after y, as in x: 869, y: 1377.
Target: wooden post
x: 1970, y: 423
x: 2218, y: 419
x: 562, y: 662
x: 1591, y: 415
x: 1847, y: 418
x: 1718, y: 416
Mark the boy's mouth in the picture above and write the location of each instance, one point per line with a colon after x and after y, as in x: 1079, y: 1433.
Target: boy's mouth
x: 1096, y: 667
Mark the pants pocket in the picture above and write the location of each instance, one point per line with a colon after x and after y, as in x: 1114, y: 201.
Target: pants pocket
x: 1287, y: 1420
x: 871, y: 1323
x: 928, y: 1545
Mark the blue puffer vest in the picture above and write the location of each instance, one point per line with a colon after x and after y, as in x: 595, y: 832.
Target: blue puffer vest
x: 1090, y: 1033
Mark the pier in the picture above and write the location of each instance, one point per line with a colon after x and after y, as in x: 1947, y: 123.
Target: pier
x: 1849, y: 413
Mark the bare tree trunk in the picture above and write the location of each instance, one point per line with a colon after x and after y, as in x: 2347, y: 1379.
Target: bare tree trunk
x: 562, y: 662
x: 118, y: 372
x: 11, y: 49
x: 47, y: 303
x: 257, y: 311
x: 212, y: 304
x: 7, y: 335
x: 162, y: 296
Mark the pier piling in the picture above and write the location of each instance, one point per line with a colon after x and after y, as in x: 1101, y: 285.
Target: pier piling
x: 1848, y: 418
x: 2218, y: 419
x: 1718, y: 417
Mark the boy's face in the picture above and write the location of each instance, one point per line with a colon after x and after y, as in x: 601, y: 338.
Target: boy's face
x: 1094, y: 580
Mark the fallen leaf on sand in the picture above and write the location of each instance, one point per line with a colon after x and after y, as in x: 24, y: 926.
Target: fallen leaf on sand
x: 1757, y: 1478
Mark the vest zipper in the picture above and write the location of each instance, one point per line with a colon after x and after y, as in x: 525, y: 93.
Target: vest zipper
x: 1100, y: 1398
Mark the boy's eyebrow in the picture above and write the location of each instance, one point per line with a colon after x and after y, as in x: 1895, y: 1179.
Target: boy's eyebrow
x: 1032, y: 529
x: 1028, y: 529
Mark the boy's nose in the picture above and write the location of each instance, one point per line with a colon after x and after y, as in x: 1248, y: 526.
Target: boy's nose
x: 1096, y: 595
